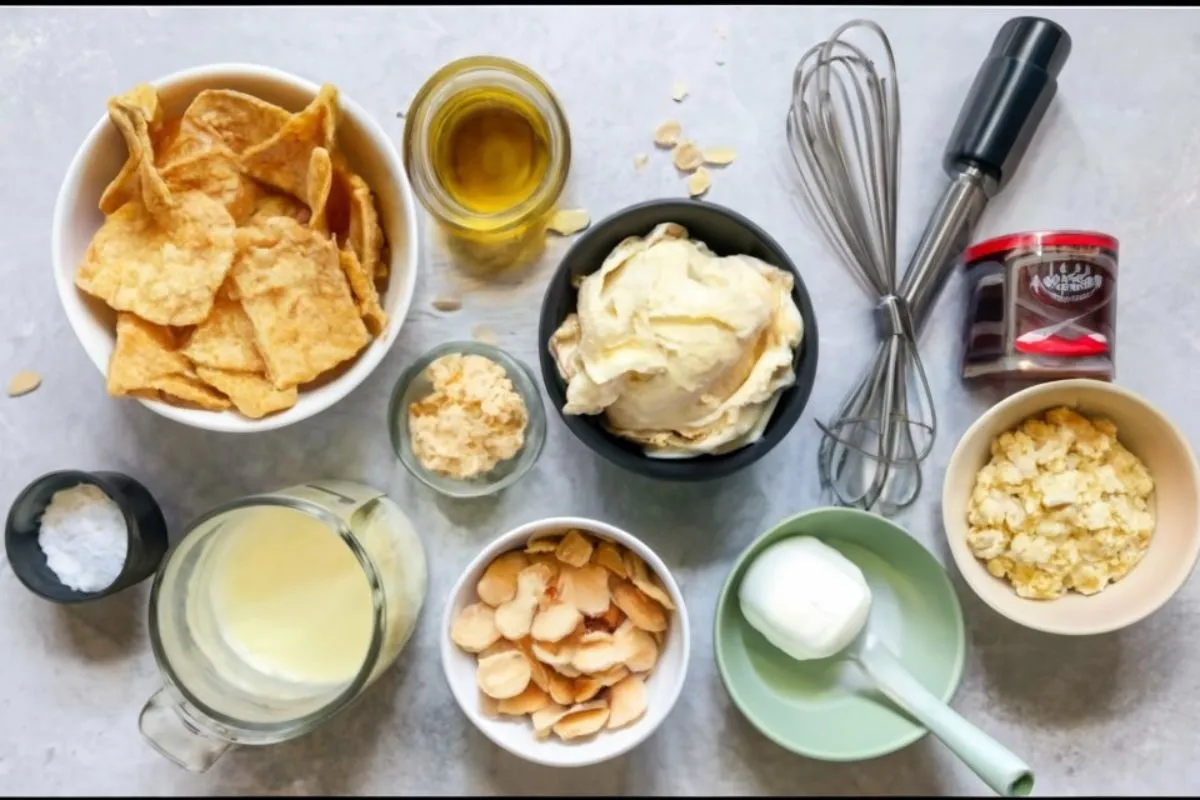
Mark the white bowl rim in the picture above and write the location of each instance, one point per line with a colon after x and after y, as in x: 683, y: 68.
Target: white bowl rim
x: 970, y: 567
x: 506, y: 541
x: 333, y: 392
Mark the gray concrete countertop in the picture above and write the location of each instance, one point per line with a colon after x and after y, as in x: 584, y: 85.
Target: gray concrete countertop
x: 1118, y: 152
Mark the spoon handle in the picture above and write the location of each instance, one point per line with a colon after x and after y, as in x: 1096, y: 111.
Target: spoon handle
x: 999, y: 768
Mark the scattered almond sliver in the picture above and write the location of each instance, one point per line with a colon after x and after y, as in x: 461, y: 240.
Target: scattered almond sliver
x: 718, y: 156
x: 23, y: 382
x: 569, y: 221
x: 687, y: 156
x: 640, y: 160
x: 699, y: 183
x: 482, y: 333
x: 565, y: 633
x: 679, y: 91
x: 447, y: 303
x: 668, y: 133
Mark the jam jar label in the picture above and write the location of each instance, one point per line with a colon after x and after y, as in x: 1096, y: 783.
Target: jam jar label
x: 1064, y: 303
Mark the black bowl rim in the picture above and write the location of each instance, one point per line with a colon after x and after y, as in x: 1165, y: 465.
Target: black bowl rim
x: 704, y: 467
x: 99, y: 480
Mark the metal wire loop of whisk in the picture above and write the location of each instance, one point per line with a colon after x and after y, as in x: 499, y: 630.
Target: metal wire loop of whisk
x: 843, y: 130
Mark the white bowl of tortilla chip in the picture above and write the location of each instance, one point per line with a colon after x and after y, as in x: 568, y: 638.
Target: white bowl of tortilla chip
x: 367, y: 152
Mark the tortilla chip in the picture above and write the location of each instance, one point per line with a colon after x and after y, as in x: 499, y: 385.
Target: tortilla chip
x: 366, y: 236
x: 270, y: 204
x: 165, y: 271
x: 363, y: 286
x: 225, y: 340
x: 282, y: 161
x: 251, y: 393
x: 291, y: 285
x: 129, y: 117
x: 216, y: 173
x: 181, y: 139
x: 320, y: 183
x: 143, y: 99
x: 240, y: 121
x: 145, y: 360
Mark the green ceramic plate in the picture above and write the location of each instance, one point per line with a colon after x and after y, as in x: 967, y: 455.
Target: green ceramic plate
x: 825, y: 709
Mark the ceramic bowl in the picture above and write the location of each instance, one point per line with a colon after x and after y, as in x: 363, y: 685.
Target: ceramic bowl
x: 727, y: 233
x: 1150, y: 436
x: 516, y: 735
x: 825, y: 709
x: 370, y: 153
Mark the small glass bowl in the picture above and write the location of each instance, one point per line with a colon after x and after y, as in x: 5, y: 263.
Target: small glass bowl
x: 413, y: 385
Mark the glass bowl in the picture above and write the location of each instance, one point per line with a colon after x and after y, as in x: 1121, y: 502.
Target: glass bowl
x: 413, y: 385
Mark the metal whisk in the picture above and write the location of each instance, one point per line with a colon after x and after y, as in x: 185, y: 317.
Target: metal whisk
x: 843, y: 130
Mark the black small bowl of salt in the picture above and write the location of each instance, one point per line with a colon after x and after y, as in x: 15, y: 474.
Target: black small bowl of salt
x: 74, y: 536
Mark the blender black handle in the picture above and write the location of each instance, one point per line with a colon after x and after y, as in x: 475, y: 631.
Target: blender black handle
x: 1008, y: 99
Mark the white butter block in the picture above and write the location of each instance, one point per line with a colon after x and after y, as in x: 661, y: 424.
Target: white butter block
x: 806, y: 598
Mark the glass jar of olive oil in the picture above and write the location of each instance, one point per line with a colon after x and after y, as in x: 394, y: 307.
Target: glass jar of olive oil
x: 487, y: 148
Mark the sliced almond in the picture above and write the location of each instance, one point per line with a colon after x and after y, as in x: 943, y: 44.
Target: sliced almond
x: 627, y: 699
x: 474, y: 628
x: 598, y: 656
x: 569, y: 221
x: 586, y: 687
x: 577, y: 724
x: 640, y: 160
x: 679, y: 91
x: 719, y: 156
x: 642, y: 578
x: 561, y: 688
x: 501, y: 645
x: 591, y: 637
x: 687, y: 156
x: 641, y: 610
x: 503, y: 675
x: 488, y: 706
x: 546, y: 718
x: 612, y: 619
x: 667, y: 134
x: 447, y: 303
x: 699, y: 182
x: 574, y: 549
x: 498, y: 584
x: 529, y: 701
x: 539, y: 673
x: 554, y: 654
x: 608, y: 556
x: 547, y: 544
x: 567, y: 671
x: 638, y: 646
x: 556, y: 622
x: 482, y: 333
x: 23, y: 382
x: 515, y: 618
x: 585, y: 588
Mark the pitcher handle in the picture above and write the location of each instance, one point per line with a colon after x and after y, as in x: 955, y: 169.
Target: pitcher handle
x: 169, y: 730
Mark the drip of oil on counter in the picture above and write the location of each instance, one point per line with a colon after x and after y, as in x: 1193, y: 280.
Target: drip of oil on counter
x: 492, y: 151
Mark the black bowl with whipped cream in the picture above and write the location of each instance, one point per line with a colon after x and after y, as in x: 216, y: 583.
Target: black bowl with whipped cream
x: 678, y: 341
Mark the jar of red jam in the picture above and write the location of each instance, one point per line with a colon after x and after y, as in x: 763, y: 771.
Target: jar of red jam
x: 1041, y: 306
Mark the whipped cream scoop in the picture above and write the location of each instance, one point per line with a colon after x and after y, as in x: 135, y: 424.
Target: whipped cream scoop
x: 812, y: 602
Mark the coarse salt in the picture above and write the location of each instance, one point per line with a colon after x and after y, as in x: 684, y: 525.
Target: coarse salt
x: 84, y: 537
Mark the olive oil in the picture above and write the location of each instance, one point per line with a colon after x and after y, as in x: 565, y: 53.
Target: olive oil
x: 491, y: 149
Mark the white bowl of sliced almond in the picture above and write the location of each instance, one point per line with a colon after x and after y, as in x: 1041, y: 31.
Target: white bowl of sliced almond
x: 566, y: 642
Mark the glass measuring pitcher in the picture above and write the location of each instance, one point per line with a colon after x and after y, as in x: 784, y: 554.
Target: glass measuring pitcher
x: 276, y: 611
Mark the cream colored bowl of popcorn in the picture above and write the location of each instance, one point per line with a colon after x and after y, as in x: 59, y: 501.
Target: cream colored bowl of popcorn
x: 1073, y: 507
